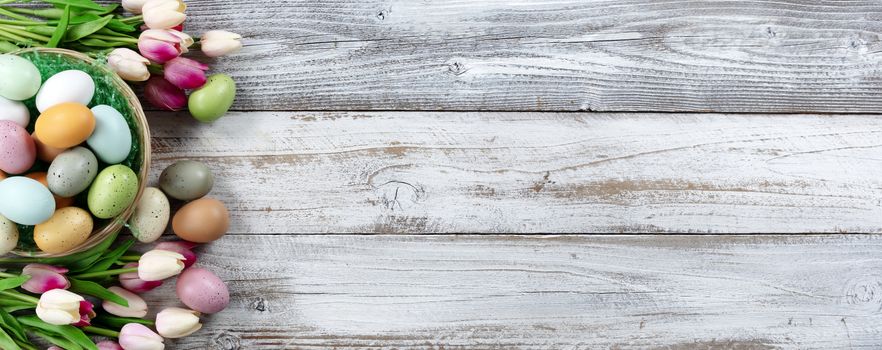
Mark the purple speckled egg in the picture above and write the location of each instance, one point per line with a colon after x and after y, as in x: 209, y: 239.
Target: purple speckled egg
x: 17, y: 149
x: 202, y: 291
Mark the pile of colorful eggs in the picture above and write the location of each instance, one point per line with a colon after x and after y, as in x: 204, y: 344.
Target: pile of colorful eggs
x: 62, y: 172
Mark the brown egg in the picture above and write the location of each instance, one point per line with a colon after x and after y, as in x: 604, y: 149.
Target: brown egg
x: 65, y: 125
x: 60, y: 202
x: 202, y: 221
x: 44, y: 152
x: 66, y: 229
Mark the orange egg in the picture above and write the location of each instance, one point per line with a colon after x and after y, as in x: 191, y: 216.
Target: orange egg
x: 44, y: 152
x: 201, y: 221
x: 60, y: 202
x: 65, y: 125
x: 2, y: 175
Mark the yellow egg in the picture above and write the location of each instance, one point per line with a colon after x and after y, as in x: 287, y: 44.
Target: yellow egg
x: 66, y: 229
x: 65, y: 125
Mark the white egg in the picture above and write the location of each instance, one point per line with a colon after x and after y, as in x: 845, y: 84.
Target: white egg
x: 151, y: 215
x: 8, y: 235
x: 14, y: 111
x: 67, y: 86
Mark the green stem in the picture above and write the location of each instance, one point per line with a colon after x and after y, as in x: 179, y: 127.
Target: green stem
x: 133, y: 19
x: 101, y: 331
x: 7, y: 275
x: 25, y: 346
x: 130, y: 258
x: 24, y: 33
x: 106, y: 273
x: 21, y: 23
x: 20, y: 296
x: 25, y: 41
x: 14, y: 15
x: 114, y: 38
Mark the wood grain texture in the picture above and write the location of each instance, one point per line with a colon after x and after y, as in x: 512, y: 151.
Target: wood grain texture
x: 532, y: 292
x: 427, y: 172
x: 567, y: 55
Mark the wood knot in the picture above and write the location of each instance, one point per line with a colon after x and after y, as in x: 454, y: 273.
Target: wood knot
x: 259, y: 304
x: 400, y: 195
x: 226, y: 341
x: 865, y: 293
x: 456, y: 68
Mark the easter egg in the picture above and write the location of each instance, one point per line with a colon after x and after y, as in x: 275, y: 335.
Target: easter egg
x: 60, y: 202
x: 8, y: 235
x: 14, y: 111
x: 72, y: 172
x: 201, y: 221
x: 67, y: 86
x: 213, y: 99
x: 151, y: 215
x: 111, y: 139
x: 17, y: 149
x: 113, y: 191
x: 25, y: 201
x: 186, y: 180
x: 65, y: 125
x: 19, y: 78
x: 201, y: 290
x: 2, y: 176
x: 46, y: 153
x: 65, y: 230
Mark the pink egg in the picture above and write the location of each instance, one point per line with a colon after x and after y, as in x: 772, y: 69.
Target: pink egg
x: 17, y: 149
x: 202, y: 290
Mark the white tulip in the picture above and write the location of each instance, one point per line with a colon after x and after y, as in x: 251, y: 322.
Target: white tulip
x: 176, y: 322
x: 134, y: 6
x: 216, y: 43
x: 59, y: 307
x: 137, y: 307
x: 163, y: 14
x: 128, y: 64
x: 135, y: 336
x: 157, y: 265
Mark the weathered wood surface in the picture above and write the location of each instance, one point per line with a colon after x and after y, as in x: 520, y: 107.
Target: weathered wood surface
x: 428, y: 172
x: 572, y: 55
x: 532, y: 292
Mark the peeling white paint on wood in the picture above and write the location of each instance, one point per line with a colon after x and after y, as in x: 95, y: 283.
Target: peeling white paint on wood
x: 540, y: 292
x: 428, y: 172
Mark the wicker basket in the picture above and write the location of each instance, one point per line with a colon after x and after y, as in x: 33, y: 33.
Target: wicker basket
x: 143, y: 131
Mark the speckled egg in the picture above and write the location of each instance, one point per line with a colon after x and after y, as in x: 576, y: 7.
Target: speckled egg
x: 202, y: 290
x: 14, y: 111
x: 65, y: 125
x: 151, y: 215
x: 19, y: 78
x: 25, y: 201
x: 111, y: 140
x: 68, y: 228
x: 60, y: 202
x: 17, y: 149
x: 46, y: 153
x: 8, y: 235
x: 186, y: 180
x: 67, y: 86
x: 203, y: 220
x: 72, y: 172
x: 113, y: 191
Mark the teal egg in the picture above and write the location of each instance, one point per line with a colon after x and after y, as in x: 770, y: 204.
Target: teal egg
x: 111, y: 141
x: 113, y: 191
x: 19, y: 78
x: 25, y: 201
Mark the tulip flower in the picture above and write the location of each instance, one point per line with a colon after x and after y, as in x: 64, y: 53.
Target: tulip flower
x: 134, y: 6
x: 158, y: 265
x: 160, y: 45
x: 216, y: 43
x: 60, y: 307
x: 185, y: 73
x: 163, y: 14
x: 176, y: 322
x: 108, y: 345
x: 182, y: 247
x: 186, y: 39
x: 132, y: 283
x: 137, y: 307
x: 44, y: 278
x: 128, y: 64
x: 163, y: 94
x: 135, y: 336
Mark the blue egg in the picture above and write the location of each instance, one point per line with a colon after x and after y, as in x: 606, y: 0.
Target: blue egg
x: 25, y: 201
x: 111, y: 141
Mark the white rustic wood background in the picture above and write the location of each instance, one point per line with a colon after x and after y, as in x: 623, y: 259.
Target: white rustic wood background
x: 414, y: 174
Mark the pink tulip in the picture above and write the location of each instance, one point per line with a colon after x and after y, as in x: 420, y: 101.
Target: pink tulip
x: 108, y: 345
x: 44, y: 278
x: 185, y: 73
x: 181, y: 247
x: 57, y: 348
x: 135, y: 336
x: 87, y: 312
x: 163, y: 94
x: 160, y: 45
x: 131, y: 282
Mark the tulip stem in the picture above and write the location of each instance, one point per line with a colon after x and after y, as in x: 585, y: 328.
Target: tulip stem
x: 7, y: 275
x: 106, y: 273
x: 114, y: 38
x: 133, y: 19
x: 130, y: 258
x: 25, y: 346
x: 20, y: 296
x: 101, y: 331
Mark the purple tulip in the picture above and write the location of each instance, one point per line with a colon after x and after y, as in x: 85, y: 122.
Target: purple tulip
x: 137, y: 336
x: 133, y: 283
x: 159, y: 45
x: 181, y: 247
x: 87, y: 312
x: 163, y: 94
x: 44, y: 278
x: 185, y: 73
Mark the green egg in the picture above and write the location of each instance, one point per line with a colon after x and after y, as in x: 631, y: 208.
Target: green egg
x: 19, y: 78
x: 113, y: 191
x: 213, y: 99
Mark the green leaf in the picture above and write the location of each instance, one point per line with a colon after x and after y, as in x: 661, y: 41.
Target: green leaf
x: 6, y: 342
x: 80, y: 31
x: 17, y: 308
x: 120, y: 26
x: 79, y: 18
x: 111, y: 256
x: 71, y: 333
x: 82, y: 260
x: 14, y: 282
x: 117, y: 322
x: 9, y: 323
x: 96, y: 290
x: 42, y: 30
x: 83, y: 4
x: 57, y: 340
x: 61, y: 29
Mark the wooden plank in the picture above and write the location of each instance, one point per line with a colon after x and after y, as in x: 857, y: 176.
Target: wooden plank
x: 532, y: 292
x: 396, y: 172
x: 567, y: 55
